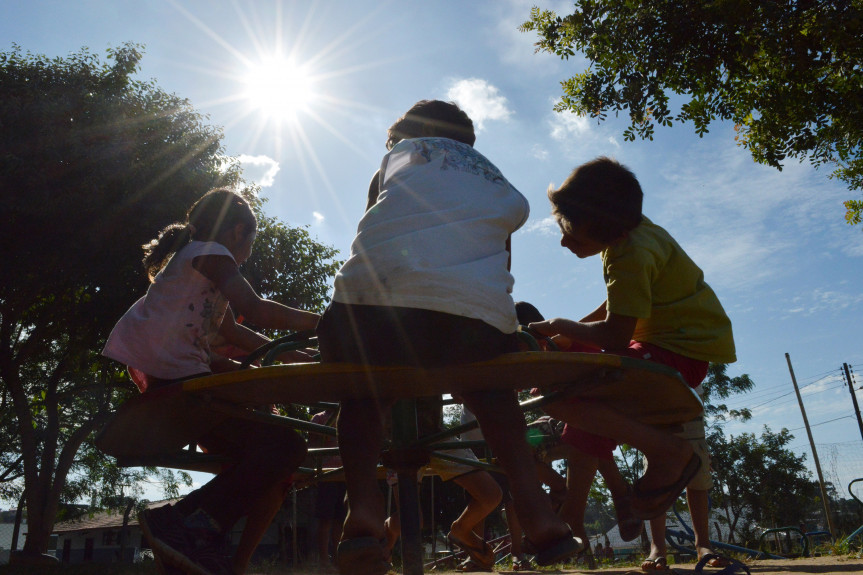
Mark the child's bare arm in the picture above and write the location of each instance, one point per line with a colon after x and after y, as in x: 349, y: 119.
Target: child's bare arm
x: 598, y: 314
x: 611, y: 333
x: 223, y: 272
x: 239, y: 335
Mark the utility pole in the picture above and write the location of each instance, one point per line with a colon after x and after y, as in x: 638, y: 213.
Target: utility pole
x: 853, y: 397
x: 826, y: 501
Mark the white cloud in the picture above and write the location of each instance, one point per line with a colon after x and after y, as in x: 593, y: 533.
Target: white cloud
x: 743, y: 223
x: 580, y: 136
x: 480, y: 100
x: 546, y: 227
x: 538, y: 152
x: 261, y: 170
x: 518, y: 48
x: 319, y: 217
x: 565, y: 125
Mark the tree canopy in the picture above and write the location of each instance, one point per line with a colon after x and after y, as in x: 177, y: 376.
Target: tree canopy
x: 93, y: 163
x: 787, y: 73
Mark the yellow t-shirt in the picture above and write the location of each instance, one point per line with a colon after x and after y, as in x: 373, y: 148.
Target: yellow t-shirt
x: 648, y: 276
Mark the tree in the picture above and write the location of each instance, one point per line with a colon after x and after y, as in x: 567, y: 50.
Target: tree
x: 719, y: 385
x: 762, y: 481
x: 92, y: 164
x: 288, y: 265
x: 786, y: 73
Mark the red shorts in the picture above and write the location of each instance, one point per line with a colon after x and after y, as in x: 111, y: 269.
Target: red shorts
x: 693, y: 371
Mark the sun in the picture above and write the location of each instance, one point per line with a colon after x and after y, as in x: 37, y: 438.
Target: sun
x: 279, y: 88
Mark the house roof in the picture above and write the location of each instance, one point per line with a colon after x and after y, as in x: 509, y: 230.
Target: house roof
x: 101, y: 520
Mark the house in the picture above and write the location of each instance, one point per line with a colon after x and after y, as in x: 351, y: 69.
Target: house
x: 98, y: 539
x: 102, y: 538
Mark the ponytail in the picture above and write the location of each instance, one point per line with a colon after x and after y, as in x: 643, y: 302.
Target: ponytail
x: 158, y: 251
x: 217, y: 210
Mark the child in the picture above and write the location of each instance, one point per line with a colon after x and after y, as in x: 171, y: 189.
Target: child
x: 165, y: 338
x: 658, y: 308
x: 329, y: 495
x: 427, y: 284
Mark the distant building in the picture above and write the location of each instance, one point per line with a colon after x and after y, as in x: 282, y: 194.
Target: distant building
x: 624, y: 549
x: 102, y: 539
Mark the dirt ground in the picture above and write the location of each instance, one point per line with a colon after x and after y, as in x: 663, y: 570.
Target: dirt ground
x: 820, y: 565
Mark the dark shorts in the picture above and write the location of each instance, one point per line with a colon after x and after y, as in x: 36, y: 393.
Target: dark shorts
x: 378, y: 335
x: 330, y: 501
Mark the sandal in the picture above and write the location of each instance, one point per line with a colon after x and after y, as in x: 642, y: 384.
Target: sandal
x: 715, y: 560
x: 655, y: 564
x: 731, y: 566
x: 667, y: 494
x: 481, y: 555
x: 556, y: 551
x: 629, y: 526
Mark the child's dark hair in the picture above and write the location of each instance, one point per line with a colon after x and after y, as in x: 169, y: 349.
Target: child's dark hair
x: 527, y: 313
x: 432, y: 119
x: 216, y: 211
x: 603, y: 196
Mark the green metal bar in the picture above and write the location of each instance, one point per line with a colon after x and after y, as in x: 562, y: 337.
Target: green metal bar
x: 803, y: 537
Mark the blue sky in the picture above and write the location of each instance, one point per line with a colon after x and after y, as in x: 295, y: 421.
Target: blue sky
x: 773, y: 244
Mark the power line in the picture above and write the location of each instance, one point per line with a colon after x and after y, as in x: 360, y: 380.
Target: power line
x: 822, y: 423
x: 773, y: 399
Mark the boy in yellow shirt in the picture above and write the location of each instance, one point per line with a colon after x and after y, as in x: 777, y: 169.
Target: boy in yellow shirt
x: 658, y: 308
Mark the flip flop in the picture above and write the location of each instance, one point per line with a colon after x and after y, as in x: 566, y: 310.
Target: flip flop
x: 656, y: 564
x: 669, y: 493
x: 715, y: 561
x: 731, y: 567
x: 482, y: 555
x: 362, y: 556
x: 629, y: 526
x: 556, y: 551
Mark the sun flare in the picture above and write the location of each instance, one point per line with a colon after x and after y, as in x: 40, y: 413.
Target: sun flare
x: 279, y: 88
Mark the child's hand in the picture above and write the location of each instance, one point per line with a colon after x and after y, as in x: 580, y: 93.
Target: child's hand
x: 297, y: 356
x: 545, y: 328
x: 551, y: 329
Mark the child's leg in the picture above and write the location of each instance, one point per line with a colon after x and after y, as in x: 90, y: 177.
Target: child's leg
x: 258, y: 520
x: 193, y: 531
x: 671, y: 453
x: 503, y: 426
x: 656, y: 560
x: 555, y: 481
x: 361, y: 436
x: 485, y: 495
x: 266, y: 457
x: 614, y: 480
x: 699, y: 510
x: 515, y: 533
x: 582, y: 471
x: 628, y: 525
